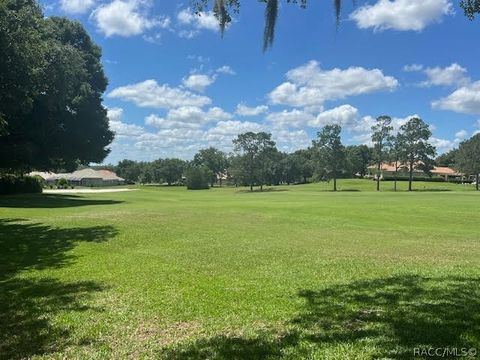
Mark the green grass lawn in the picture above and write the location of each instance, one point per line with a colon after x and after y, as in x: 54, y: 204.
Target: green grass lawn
x: 295, y: 272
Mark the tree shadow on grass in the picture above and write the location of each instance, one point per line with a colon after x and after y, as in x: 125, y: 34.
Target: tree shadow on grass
x: 26, y: 311
x: 389, y: 317
x: 28, y: 305
x: 50, y: 201
x: 430, y: 190
x: 265, y: 190
x: 341, y: 190
x: 25, y: 245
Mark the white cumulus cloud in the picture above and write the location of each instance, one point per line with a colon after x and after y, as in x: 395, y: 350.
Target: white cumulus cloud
x: 464, y: 100
x: 188, y: 117
x: 450, y: 75
x: 309, y: 85
x: 151, y: 94
x: 76, y: 6
x: 344, y: 115
x: 196, y: 22
x: 244, y: 110
x: 198, y: 82
x: 294, y: 118
x: 126, y: 18
x: 402, y: 15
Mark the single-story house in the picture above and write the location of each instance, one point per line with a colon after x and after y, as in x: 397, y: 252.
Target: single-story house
x: 389, y: 169
x: 447, y: 172
x: 84, y: 177
x: 110, y: 178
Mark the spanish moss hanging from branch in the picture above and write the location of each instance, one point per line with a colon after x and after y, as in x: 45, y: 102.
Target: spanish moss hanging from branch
x: 338, y: 10
x: 223, y: 8
x: 221, y: 13
x: 271, y: 13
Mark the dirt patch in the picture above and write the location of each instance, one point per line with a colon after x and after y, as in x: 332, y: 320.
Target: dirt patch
x: 166, y: 335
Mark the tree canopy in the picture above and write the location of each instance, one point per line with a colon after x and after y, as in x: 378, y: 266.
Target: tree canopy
x: 330, y: 153
x: 52, y: 81
x: 382, y: 141
x: 255, y: 151
x: 415, y: 150
x: 467, y: 157
x: 215, y: 160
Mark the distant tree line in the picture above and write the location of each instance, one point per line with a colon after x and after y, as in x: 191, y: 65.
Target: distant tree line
x: 256, y: 161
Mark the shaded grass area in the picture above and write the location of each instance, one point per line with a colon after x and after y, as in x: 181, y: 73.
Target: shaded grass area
x: 388, y: 317
x: 50, y: 201
x: 27, y: 305
x: 297, y: 272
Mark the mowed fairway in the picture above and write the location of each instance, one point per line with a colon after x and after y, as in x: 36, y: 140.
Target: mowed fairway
x: 296, y: 272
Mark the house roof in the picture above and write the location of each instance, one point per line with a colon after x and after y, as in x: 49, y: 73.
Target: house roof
x: 109, y: 175
x: 78, y: 175
x: 47, y: 176
x: 388, y: 167
x: 437, y: 170
x: 443, y: 170
x: 84, y: 174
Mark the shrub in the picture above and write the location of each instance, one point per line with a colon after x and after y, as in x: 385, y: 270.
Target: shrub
x: 62, y: 183
x: 41, y: 181
x: 12, y: 184
x: 198, y: 178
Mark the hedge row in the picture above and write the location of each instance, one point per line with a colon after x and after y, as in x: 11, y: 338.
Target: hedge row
x: 423, y: 178
x: 11, y: 184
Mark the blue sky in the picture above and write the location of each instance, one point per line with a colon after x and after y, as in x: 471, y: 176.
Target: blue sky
x: 175, y: 86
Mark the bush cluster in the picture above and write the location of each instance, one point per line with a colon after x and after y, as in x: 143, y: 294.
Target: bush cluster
x: 198, y: 178
x: 12, y: 184
x: 62, y: 183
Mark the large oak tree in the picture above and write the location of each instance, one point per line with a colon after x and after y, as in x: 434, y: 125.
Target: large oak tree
x: 255, y: 151
x: 51, y: 86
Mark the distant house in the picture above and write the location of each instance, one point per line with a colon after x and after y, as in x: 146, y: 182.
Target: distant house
x: 447, y: 173
x: 110, y: 178
x: 84, y: 177
x: 49, y: 177
x: 388, y: 170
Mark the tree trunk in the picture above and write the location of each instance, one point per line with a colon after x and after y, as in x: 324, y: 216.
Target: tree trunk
x: 334, y: 183
x: 478, y: 177
x: 251, y: 186
x: 395, y: 181
x: 378, y: 176
x: 410, y: 178
x: 261, y: 187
